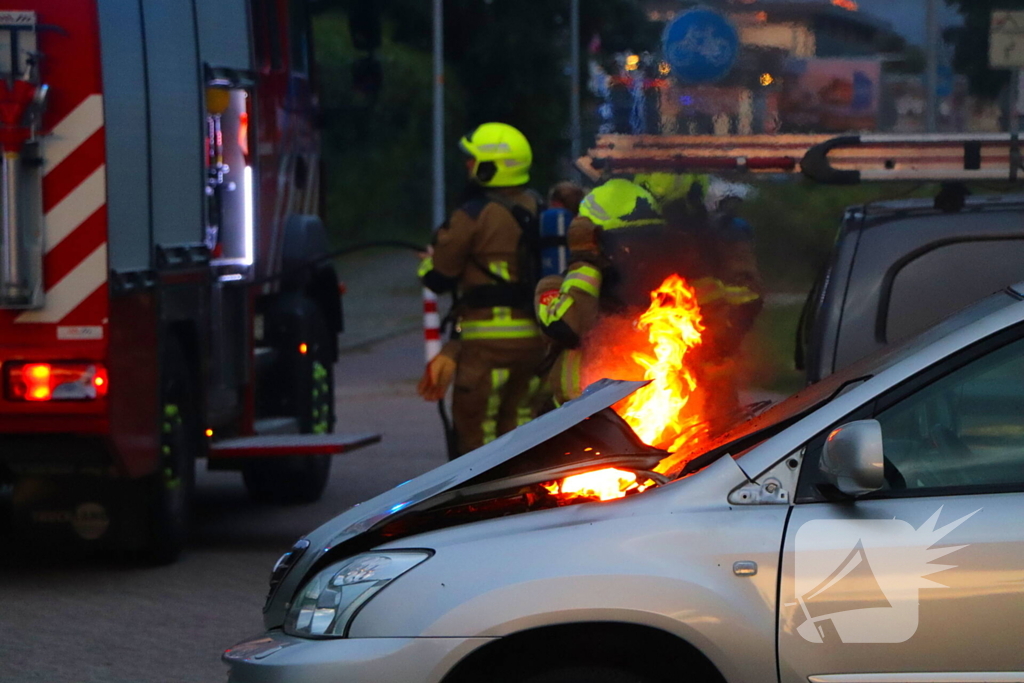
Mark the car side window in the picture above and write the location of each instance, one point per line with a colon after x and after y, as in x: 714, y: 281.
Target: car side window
x: 965, y: 429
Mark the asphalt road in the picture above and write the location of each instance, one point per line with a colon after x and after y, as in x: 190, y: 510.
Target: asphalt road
x: 92, y: 621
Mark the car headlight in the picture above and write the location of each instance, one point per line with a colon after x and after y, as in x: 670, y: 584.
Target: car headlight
x: 327, y: 604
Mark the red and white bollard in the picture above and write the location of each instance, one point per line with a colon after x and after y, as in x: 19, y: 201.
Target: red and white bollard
x: 431, y: 325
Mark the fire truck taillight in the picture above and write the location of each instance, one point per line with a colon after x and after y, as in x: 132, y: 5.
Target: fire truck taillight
x: 55, y: 381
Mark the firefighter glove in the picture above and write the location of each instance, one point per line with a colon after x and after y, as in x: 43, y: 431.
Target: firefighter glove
x: 437, y: 377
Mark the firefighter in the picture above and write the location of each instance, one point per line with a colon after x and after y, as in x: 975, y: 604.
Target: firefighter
x: 725, y: 274
x: 622, y: 248
x: 731, y: 300
x: 737, y: 279
x: 570, y: 306
x: 478, y: 255
x: 680, y: 195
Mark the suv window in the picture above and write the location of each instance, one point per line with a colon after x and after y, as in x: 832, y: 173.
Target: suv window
x: 963, y: 430
x: 944, y: 279
x: 912, y: 249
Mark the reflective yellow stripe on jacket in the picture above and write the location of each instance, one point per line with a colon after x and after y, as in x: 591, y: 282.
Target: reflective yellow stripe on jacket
x: 499, y: 377
x: 498, y: 329
x: 555, y: 310
x: 569, y: 375
x: 710, y: 290
x: 584, y: 277
x: 426, y: 265
x: 501, y: 326
x: 500, y: 268
x: 525, y: 410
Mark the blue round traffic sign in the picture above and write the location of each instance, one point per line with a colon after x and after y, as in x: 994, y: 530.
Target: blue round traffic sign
x: 701, y: 46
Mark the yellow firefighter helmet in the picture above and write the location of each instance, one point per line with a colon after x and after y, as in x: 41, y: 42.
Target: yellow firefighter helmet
x: 669, y: 187
x: 620, y: 203
x: 501, y: 155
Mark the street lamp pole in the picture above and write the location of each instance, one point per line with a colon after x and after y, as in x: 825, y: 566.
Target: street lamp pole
x: 431, y: 317
x: 1015, y: 98
x: 439, y: 208
x: 574, y: 88
x: 931, y: 80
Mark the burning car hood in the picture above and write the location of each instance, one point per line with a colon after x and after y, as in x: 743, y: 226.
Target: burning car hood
x: 495, y: 457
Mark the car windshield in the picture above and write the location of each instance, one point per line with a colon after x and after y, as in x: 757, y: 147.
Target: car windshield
x: 754, y: 430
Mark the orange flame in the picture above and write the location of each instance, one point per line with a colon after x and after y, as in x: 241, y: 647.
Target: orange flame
x: 606, y: 484
x: 657, y: 412
x: 660, y: 413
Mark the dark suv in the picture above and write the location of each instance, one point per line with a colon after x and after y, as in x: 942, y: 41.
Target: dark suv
x: 898, y: 267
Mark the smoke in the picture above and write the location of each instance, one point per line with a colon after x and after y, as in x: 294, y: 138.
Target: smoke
x: 608, y: 347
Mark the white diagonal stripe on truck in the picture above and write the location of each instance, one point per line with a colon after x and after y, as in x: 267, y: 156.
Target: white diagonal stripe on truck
x: 73, y: 130
x: 72, y: 290
x: 74, y: 209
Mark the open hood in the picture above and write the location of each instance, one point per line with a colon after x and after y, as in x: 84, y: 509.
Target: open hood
x: 551, y: 443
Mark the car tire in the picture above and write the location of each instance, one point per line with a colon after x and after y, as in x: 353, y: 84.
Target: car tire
x: 586, y: 674
x: 169, y: 491
x: 291, y: 480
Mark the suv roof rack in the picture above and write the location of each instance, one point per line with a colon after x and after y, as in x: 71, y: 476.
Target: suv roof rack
x: 842, y: 160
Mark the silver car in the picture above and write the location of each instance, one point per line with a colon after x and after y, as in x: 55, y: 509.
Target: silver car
x: 868, y: 529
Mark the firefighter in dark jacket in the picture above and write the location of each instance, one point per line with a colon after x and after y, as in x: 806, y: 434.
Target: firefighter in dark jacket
x: 570, y: 306
x: 499, y: 347
x: 622, y: 249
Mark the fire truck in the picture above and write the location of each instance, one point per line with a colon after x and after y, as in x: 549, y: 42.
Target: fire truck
x: 165, y: 292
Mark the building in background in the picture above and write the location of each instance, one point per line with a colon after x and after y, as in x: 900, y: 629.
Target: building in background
x: 814, y: 29
x: 781, y: 48
x: 803, y: 66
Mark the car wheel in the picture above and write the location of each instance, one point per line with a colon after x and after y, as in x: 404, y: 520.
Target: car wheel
x: 586, y: 674
x: 301, y: 479
x: 169, y: 491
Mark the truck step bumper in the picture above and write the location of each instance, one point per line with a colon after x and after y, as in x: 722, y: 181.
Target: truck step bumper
x: 271, y: 445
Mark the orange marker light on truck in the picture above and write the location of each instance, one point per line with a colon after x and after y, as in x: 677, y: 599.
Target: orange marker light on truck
x: 99, y: 381
x: 303, y: 348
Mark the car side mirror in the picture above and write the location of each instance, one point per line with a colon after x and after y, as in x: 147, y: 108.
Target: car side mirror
x: 852, y: 459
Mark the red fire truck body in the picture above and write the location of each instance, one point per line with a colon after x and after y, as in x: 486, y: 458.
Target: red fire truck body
x: 161, y: 297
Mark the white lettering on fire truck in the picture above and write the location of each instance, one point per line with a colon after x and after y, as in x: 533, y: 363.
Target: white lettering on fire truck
x: 17, y: 18
x: 78, y: 332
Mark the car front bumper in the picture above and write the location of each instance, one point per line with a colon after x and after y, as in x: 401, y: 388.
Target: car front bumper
x: 276, y: 657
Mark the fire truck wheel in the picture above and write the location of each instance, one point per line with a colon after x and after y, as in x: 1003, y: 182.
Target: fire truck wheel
x: 587, y: 674
x: 171, y: 488
x: 289, y: 480
x: 301, y: 479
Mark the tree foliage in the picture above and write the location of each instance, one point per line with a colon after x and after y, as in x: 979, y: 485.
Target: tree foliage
x: 505, y: 61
